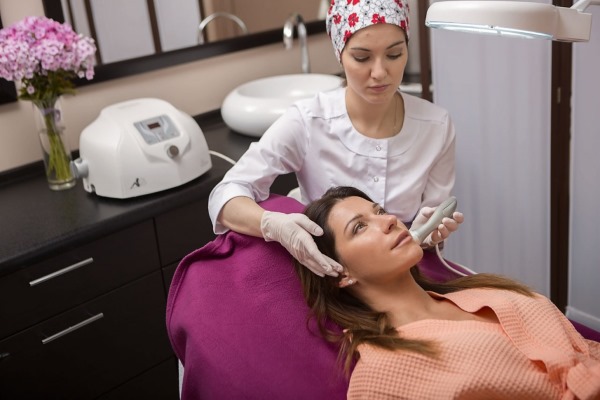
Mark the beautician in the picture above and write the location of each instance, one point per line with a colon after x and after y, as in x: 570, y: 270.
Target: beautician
x: 397, y: 148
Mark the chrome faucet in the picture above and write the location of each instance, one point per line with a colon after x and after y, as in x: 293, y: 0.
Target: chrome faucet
x: 288, y: 38
x: 212, y: 16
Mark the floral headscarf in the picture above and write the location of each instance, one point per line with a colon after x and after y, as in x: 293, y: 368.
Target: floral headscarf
x: 348, y: 16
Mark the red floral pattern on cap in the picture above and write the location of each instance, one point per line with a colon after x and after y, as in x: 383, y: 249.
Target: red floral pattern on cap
x: 345, y: 17
x: 378, y: 19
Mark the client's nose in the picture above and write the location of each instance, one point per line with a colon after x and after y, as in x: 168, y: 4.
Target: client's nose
x: 389, y: 222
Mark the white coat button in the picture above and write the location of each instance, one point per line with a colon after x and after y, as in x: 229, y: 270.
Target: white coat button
x: 378, y: 148
x: 376, y: 179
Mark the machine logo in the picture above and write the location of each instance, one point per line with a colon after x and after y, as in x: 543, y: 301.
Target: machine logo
x: 139, y: 182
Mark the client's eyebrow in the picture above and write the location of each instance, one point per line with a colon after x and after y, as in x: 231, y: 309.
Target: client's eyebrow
x: 358, y: 216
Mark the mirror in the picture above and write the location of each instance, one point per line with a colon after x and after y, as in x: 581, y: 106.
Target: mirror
x: 8, y: 92
x: 162, y: 33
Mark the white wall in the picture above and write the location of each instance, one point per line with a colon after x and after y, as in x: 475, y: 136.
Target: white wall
x: 584, y: 278
x: 195, y: 87
x: 497, y: 91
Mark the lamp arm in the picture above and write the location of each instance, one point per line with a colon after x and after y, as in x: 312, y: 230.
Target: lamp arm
x: 581, y: 5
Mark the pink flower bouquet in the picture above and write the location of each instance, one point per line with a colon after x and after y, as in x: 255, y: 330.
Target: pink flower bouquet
x: 45, y: 57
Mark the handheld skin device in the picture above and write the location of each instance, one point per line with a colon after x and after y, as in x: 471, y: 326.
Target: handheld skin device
x: 443, y: 210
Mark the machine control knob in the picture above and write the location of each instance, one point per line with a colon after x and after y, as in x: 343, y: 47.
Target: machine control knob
x: 79, y: 168
x: 172, y: 151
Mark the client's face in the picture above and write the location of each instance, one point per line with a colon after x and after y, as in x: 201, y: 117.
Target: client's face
x: 373, y: 245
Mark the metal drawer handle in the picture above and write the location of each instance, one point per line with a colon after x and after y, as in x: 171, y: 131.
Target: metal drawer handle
x: 61, y: 272
x: 72, y: 328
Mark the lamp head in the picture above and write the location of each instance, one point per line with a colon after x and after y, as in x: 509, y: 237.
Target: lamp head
x: 512, y: 19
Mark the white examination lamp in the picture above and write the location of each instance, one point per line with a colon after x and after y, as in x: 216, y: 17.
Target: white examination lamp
x: 514, y: 18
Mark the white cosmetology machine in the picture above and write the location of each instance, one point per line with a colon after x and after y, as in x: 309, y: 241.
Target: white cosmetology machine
x: 139, y: 147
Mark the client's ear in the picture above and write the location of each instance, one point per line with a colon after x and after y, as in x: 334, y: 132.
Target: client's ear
x: 346, y: 281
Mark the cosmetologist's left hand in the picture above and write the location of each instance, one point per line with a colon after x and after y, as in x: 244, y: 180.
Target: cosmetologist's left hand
x: 444, y: 230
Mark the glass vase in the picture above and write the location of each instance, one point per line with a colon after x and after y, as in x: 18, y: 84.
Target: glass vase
x: 55, y: 149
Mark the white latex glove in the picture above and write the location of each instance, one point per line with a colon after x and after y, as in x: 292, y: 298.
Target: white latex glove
x: 294, y: 232
x: 444, y: 230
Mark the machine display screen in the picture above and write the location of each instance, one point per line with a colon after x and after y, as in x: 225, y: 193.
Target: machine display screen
x: 154, y: 125
x: 157, y: 129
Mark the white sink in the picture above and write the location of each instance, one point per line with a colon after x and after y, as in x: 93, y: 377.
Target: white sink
x: 252, y: 107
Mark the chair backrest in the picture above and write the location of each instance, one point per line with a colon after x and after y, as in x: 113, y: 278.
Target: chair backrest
x: 237, y: 320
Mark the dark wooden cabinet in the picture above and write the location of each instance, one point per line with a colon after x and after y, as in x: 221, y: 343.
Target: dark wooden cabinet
x: 84, y: 282
x: 88, y: 321
x: 150, y: 385
x: 60, y: 282
x: 168, y: 272
x: 91, y: 348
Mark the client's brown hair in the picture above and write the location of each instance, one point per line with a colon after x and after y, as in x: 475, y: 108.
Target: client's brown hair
x: 361, y: 324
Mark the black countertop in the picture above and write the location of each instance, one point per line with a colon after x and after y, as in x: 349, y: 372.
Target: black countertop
x: 36, y: 221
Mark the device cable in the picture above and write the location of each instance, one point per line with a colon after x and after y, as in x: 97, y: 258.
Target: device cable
x: 222, y: 156
x: 439, y: 254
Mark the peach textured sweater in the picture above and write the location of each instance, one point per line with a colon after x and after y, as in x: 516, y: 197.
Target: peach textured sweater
x: 534, y: 353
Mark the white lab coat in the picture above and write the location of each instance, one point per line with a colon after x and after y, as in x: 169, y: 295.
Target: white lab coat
x: 316, y: 140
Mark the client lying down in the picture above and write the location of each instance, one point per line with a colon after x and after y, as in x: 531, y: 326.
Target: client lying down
x: 478, y: 337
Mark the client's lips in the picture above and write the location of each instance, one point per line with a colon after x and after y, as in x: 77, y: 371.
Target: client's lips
x: 403, y: 238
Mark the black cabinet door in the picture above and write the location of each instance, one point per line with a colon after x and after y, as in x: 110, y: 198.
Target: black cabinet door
x: 61, y: 282
x: 168, y: 272
x: 158, y: 383
x: 90, y: 349
x: 183, y: 230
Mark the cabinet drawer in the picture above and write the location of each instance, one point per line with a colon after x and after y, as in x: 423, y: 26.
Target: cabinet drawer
x: 40, y: 291
x: 159, y: 383
x: 183, y: 230
x: 91, y: 349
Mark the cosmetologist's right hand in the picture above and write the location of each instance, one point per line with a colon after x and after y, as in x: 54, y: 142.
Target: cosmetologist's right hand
x: 294, y: 232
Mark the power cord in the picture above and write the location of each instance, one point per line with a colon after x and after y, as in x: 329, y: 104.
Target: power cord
x: 222, y: 156
x: 439, y: 254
